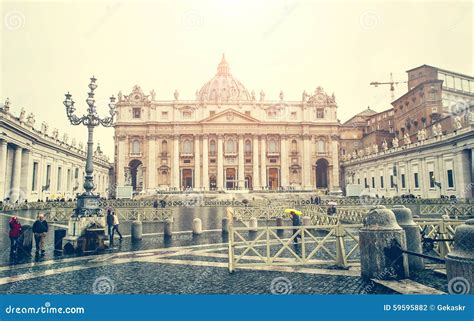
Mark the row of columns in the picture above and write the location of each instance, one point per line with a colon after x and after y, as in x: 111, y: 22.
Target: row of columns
x: 259, y: 164
x: 19, y: 173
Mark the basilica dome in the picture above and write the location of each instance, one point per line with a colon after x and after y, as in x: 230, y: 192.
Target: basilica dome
x: 223, y: 87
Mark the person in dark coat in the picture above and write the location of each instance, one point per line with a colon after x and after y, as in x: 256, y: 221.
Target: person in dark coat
x: 295, y: 220
x: 15, y: 231
x: 110, y: 224
x: 332, y: 210
x: 40, y: 229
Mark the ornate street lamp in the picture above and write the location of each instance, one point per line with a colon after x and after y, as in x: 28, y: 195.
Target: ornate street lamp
x: 87, y: 203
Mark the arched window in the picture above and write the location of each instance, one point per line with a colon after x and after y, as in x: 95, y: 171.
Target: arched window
x: 164, y: 146
x: 294, y: 145
x: 248, y: 146
x: 230, y: 146
x: 187, y: 147
x: 136, y: 146
x: 321, y: 147
x: 272, y: 146
x: 212, y: 147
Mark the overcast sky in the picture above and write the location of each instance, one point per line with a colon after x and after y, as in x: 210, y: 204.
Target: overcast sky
x: 48, y: 48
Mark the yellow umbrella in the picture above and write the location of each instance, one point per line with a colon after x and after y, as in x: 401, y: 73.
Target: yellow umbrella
x: 289, y: 210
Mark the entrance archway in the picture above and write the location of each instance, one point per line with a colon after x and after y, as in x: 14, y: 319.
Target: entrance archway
x: 187, y: 178
x: 322, y: 173
x: 136, y: 173
x: 230, y: 178
x: 273, y: 178
x: 212, y: 183
x: 248, y: 182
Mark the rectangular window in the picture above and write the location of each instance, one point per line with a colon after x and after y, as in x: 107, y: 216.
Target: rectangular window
x: 432, y: 179
x: 58, y: 187
x: 319, y: 113
x: 136, y: 112
x: 358, y: 181
x: 450, y: 178
x: 365, y: 183
x: 247, y: 112
x: 212, y: 161
x: 186, y: 161
x: 415, y: 177
x: 373, y: 182
x: 48, y: 177
x: 293, y: 115
x: 34, y: 184
x: 164, y: 114
x: 381, y: 182
x: 392, y: 183
x: 212, y: 113
x: 403, y: 180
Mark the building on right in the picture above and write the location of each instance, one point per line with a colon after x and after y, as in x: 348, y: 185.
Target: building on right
x: 421, y: 146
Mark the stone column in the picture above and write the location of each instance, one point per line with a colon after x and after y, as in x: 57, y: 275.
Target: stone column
x: 152, y: 183
x: 335, y: 167
x: 3, y: 168
x: 241, y: 170
x: 284, y: 161
x: 462, y: 174
x: 175, y: 163
x: 16, y: 175
x: 26, y: 175
x: 197, y: 163
x: 205, y: 162
x: 306, y: 162
x: 220, y: 163
x: 255, y: 176
x: 263, y: 161
x: 120, y: 162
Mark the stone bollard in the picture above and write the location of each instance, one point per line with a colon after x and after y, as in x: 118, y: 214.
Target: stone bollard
x: 253, y: 224
x: 197, y: 226
x: 378, y: 257
x: 460, y: 261
x: 306, y: 221
x: 225, y: 225
x: 443, y: 247
x: 412, y: 233
x: 168, y: 228
x: 137, y: 230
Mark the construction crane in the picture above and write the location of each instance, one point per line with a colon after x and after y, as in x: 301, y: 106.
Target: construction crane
x: 391, y: 83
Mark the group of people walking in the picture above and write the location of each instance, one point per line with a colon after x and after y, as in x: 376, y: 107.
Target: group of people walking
x: 39, y: 229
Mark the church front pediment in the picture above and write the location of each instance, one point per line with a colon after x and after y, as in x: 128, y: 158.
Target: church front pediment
x: 230, y: 116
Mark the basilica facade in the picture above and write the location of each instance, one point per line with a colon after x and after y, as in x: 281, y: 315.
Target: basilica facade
x: 227, y: 138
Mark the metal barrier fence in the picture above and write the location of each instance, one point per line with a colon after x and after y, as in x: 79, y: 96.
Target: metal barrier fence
x: 124, y: 214
x: 318, y: 244
x: 437, y: 235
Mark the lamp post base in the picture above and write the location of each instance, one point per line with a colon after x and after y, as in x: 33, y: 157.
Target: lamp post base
x: 86, y: 228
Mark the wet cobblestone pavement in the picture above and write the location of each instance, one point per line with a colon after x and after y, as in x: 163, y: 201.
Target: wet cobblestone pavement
x: 186, y: 263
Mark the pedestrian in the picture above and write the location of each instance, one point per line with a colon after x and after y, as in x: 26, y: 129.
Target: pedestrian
x: 295, y: 219
x: 155, y: 203
x: 110, y: 224
x: 116, y: 226
x: 40, y: 229
x: 15, y: 231
x: 332, y: 209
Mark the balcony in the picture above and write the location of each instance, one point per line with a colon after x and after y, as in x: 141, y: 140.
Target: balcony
x: 230, y: 154
x: 136, y: 154
x: 273, y: 154
x: 185, y: 154
x: 294, y: 153
x: 164, y: 154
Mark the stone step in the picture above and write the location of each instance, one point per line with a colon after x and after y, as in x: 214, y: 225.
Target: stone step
x: 407, y: 286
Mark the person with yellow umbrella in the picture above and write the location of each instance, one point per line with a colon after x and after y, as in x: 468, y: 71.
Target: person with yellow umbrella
x: 296, y: 221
